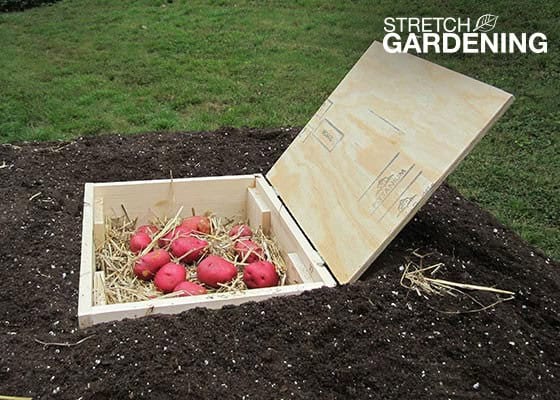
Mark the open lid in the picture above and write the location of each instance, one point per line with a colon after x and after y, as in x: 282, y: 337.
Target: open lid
x: 378, y: 147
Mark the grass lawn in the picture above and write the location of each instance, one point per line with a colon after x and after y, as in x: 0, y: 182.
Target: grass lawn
x: 84, y: 67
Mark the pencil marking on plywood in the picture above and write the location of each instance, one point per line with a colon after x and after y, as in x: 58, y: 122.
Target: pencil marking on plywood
x: 387, y: 184
x: 308, y: 130
x: 328, y: 135
x: 395, y: 127
x: 327, y: 104
x: 378, y: 175
x: 404, y: 202
x: 316, y: 120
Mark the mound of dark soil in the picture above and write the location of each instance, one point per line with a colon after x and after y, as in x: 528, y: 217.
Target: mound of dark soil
x: 372, y: 339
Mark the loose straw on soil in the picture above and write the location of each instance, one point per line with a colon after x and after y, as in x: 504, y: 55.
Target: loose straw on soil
x: 419, y: 280
x: 64, y: 344
x: 117, y: 261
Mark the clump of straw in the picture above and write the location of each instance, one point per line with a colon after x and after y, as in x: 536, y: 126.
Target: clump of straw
x: 421, y: 279
x: 116, y: 260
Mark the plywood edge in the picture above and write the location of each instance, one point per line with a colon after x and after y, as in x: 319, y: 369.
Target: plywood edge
x: 241, y: 178
x: 115, y: 312
x: 224, y: 196
x: 87, y: 264
x: 262, y: 184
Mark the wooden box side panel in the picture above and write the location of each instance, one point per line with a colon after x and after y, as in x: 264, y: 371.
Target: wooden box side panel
x: 87, y: 263
x: 224, y: 196
x: 308, y: 264
x: 117, y: 312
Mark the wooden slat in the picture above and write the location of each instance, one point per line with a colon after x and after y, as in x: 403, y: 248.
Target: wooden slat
x: 375, y: 151
x: 87, y: 264
x: 258, y: 213
x: 99, y: 297
x: 223, y: 195
x: 98, y: 221
x: 115, y: 312
x: 296, y: 271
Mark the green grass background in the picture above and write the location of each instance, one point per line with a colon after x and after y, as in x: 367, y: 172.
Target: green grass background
x: 84, y: 67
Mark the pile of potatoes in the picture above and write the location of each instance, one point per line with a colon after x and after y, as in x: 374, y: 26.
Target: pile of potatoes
x: 186, y: 247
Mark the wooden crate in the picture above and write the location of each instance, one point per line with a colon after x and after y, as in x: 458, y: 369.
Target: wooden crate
x: 371, y: 156
x: 245, y: 196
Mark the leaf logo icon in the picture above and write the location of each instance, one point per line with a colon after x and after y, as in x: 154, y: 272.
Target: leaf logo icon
x: 485, y: 23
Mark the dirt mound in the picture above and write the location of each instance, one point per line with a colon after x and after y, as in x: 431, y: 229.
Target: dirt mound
x: 372, y: 339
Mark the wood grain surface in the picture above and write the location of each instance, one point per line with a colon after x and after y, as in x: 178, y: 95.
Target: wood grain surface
x: 376, y: 150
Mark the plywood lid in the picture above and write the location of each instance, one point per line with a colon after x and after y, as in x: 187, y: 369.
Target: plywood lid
x: 376, y: 150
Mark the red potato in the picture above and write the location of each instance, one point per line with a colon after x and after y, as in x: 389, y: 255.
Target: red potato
x: 260, y: 274
x: 190, y: 289
x: 147, y: 266
x: 248, y: 250
x: 198, y: 224
x: 213, y: 270
x: 150, y: 230
x: 241, y: 230
x: 189, y: 248
x: 139, y: 241
x: 169, y: 276
x: 174, y: 234
x: 142, y: 271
